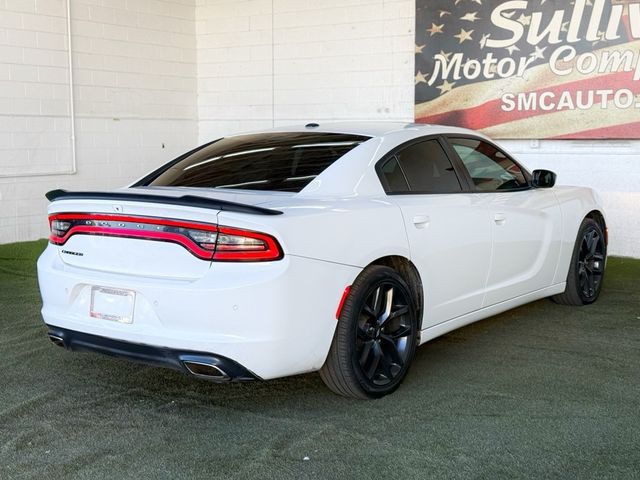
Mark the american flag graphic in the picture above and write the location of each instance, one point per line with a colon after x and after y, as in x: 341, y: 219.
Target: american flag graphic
x: 579, y: 80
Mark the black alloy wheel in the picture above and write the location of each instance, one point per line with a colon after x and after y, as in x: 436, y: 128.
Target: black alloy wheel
x: 591, y: 263
x: 384, y: 331
x: 376, y: 336
x: 587, y: 268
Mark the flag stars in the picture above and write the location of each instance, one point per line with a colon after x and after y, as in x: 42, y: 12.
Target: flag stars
x: 464, y: 35
x: 420, y: 78
x: 470, y: 17
x: 419, y: 49
x: 446, y: 87
x: 524, y: 19
x: 443, y: 13
x: 538, y: 53
x: 435, y: 29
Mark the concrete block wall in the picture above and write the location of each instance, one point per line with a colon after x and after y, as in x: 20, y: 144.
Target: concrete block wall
x: 135, y: 90
x: 277, y: 62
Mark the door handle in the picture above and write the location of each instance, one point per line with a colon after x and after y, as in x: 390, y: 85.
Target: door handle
x: 500, y: 218
x: 421, y: 221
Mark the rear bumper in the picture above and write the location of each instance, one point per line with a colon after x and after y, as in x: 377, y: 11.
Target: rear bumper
x: 273, y: 318
x: 200, y: 364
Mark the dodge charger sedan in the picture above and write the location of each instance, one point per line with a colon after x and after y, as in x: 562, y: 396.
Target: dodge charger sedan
x: 336, y: 248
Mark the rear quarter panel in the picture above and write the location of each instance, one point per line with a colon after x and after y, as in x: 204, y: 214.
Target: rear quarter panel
x: 349, y: 231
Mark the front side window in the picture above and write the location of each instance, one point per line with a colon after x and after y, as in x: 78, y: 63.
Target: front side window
x: 489, y: 168
x: 420, y: 168
x: 284, y: 162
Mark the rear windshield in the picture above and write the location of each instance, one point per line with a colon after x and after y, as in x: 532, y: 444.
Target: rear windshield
x: 284, y: 162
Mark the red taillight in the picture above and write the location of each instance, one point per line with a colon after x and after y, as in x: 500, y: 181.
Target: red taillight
x: 245, y: 246
x: 206, y: 241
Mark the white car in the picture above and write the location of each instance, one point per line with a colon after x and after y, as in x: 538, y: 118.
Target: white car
x: 337, y: 247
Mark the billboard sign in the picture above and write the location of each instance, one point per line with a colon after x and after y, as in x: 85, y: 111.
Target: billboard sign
x: 530, y: 68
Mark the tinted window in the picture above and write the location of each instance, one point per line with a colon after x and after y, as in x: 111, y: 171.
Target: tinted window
x: 489, y: 168
x: 426, y: 168
x: 394, y: 177
x: 267, y: 161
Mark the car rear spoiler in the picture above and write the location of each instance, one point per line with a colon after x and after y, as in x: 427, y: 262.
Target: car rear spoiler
x: 186, y: 200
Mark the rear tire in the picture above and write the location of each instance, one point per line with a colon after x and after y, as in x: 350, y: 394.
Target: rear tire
x: 586, y: 271
x: 376, y: 337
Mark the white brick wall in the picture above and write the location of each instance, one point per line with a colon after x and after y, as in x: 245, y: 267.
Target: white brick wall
x: 135, y: 97
x: 264, y: 62
x: 34, y: 92
x: 182, y: 72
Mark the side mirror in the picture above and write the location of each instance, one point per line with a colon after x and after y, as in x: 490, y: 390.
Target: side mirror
x: 544, y: 179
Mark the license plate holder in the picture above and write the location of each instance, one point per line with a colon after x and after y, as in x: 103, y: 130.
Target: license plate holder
x: 113, y: 304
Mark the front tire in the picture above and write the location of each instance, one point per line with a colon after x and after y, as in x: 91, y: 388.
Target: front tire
x: 586, y: 271
x: 376, y: 336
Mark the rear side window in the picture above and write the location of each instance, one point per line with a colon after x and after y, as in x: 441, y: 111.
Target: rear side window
x: 284, y: 162
x: 420, y: 168
x: 394, y: 176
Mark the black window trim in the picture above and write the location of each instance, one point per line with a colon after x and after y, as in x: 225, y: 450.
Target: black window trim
x: 472, y: 186
x: 458, y: 167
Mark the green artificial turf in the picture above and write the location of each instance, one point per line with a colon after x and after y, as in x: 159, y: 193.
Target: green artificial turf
x: 543, y: 391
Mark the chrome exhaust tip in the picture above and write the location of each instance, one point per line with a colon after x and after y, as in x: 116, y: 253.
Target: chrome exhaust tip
x: 56, y: 340
x: 205, y: 369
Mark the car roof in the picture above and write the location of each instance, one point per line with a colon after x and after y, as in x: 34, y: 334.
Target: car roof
x: 371, y: 128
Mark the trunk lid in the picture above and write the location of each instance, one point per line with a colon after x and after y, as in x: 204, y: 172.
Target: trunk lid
x: 161, y: 232
x: 131, y: 256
